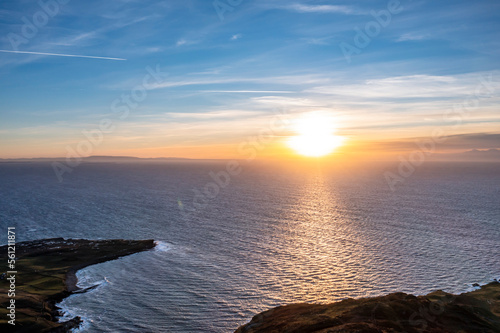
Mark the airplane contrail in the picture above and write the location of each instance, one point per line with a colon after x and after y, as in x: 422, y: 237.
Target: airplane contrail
x: 63, y: 55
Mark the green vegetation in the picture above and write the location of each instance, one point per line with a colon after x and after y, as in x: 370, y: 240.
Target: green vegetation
x: 46, y: 274
x: 476, y: 311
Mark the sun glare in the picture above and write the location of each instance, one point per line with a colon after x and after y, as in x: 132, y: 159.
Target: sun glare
x: 315, y: 136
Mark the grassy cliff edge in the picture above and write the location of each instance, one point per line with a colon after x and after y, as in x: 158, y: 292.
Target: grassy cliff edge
x: 476, y: 311
x: 46, y: 275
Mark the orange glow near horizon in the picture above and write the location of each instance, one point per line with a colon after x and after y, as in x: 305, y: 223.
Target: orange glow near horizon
x: 315, y: 136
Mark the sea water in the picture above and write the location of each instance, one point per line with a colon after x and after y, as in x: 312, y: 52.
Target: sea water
x: 270, y: 235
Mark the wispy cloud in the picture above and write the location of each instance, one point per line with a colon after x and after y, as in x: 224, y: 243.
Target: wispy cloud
x: 288, y: 101
x: 248, y: 91
x: 207, y: 72
x: 302, y: 8
x: 236, y: 37
x: 288, y: 80
x: 450, y: 142
x: 319, y: 41
x: 185, y: 42
x: 410, y: 36
x: 226, y: 114
x: 77, y: 39
x: 411, y: 86
x: 63, y: 55
x: 181, y: 42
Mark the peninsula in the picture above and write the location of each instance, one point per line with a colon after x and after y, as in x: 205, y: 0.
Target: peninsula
x: 45, y: 275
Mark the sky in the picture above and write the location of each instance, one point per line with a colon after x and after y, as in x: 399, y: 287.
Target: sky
x: 228, y: 78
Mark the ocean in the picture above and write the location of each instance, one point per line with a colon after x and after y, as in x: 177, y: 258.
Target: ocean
x: 271, y: 235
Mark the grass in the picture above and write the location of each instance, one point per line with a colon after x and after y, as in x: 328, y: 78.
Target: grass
x: 476, y: 311
x: 45, y: 276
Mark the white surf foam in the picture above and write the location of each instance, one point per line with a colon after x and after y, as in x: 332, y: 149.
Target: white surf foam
x: 85, y: 280
x: 69, y: 313
x: 478, y: 285
x: 162, y: 246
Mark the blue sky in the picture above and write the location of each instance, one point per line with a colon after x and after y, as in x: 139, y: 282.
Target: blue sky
x: 227, y: 77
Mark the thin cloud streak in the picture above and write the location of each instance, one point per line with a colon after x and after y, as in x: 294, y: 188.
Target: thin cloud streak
x: 64, y: 55
x: 249, y: 91
x: 302, y: 8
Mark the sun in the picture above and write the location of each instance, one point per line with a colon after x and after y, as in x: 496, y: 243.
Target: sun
x: 315, y: 136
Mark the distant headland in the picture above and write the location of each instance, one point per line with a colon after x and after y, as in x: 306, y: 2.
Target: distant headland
x: 474, y: 155
x: 98, y: 159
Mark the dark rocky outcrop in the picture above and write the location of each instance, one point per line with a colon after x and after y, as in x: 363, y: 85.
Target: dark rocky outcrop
x: 477, y: 311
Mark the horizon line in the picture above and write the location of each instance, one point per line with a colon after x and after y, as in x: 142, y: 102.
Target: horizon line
x: 473, y: 150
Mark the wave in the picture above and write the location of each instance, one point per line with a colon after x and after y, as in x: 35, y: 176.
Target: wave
x: 91, y: 283
x: 162, y: 246
x: 477, y: 286
x: 69, y: 312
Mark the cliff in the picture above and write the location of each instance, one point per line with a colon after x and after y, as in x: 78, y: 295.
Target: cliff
x: 45, y: 274
x: 476, y: 311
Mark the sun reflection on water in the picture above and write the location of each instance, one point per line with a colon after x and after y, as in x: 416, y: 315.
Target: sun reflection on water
x: 321, y: 258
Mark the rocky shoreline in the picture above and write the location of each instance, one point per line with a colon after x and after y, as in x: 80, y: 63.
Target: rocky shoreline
x: 47, y: 274
x: 477, y: 311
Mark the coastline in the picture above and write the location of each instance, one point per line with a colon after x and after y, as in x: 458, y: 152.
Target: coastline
x: 438, y: 311
x: 397, y: 312
x: 47, y: 278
